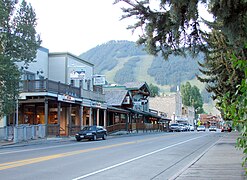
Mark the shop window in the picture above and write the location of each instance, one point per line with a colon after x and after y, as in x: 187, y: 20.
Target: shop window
x: 53, y: 118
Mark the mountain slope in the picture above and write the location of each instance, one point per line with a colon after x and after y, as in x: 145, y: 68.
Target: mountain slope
x: 124, y: 61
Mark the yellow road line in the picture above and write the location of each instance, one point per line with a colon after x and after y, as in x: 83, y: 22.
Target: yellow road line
x: 14, y: 164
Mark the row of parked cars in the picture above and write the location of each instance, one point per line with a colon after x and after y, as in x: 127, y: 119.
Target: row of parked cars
x: 203, y: 128
x: 181, y: 127
x: 188, y: 127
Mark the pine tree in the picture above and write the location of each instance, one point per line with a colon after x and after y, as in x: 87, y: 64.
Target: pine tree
x: 176, y: 27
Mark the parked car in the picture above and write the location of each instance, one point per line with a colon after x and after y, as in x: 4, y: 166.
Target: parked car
x: 201, y: 128
x: 175, y: 127
x: 91, y: 133
x: 184, y: 126
x: 226, y: 129
x: 191, y: 127
x: 212, y: 128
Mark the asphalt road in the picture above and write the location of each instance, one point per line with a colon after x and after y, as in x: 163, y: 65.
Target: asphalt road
x: 143, y: 156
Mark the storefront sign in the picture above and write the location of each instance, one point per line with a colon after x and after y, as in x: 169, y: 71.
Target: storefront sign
x: 66, y: 98
x: 95, y: 104
x: 77, y: 74
x: 98, y: 80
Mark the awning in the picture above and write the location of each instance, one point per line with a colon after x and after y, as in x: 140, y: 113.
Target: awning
x: 137, y: 111
x: 118, y: 110
x: 164, y: 120
x: 145, y: 113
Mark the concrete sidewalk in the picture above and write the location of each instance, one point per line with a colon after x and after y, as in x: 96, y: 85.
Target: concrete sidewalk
x: 221, y: 161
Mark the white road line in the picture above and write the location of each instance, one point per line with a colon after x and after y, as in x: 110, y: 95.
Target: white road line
x: 136, y: 158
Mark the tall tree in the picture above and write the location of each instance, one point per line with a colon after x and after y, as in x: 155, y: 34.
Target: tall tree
x: 191, y: 96
x: 176, y: 27
x: 19, y: 42
x: 154, y: 90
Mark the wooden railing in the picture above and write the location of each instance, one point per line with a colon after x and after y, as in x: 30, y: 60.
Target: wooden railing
x: 74, y: 129
x: 53, y: 130
x: 135, y: 127
x: 117, y: 127
x: 45, y: 85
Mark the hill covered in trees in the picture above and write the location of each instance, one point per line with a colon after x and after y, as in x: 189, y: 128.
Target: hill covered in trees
x: 124, y: 61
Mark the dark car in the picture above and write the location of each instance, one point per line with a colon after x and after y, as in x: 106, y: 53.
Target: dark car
x: 226, y: 129
x: 91, y: 133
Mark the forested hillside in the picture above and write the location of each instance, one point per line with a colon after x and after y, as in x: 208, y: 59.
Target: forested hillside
x: 124, y: 61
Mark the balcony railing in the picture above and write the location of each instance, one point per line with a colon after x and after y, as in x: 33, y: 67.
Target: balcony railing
x: 45, y: 85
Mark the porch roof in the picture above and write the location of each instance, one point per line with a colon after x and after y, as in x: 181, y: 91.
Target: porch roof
x: 145, y: 113
x: 119, y: 110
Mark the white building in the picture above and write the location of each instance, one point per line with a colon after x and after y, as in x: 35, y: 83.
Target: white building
x: 57, y: 90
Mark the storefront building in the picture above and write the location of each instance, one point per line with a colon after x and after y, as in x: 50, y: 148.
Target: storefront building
x: 58, y: 90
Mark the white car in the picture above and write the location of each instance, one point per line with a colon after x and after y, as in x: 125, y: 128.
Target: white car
x: 191, y: 127
x: 201, y: 128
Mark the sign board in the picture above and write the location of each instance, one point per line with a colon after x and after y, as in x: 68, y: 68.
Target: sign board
x: 66, y: 98
x: 98, y: 80
x: 77, y: 74
x: 95, y: 104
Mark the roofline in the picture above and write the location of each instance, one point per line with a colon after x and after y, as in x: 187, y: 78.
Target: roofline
x: 69, y: 54
x: 41, y: 48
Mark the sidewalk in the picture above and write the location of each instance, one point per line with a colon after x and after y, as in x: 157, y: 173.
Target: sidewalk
x: 221, y: 161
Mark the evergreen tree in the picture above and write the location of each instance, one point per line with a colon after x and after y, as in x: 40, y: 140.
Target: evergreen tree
x: 175, y: 27
x: 154, y: 90
x: 19, y: 42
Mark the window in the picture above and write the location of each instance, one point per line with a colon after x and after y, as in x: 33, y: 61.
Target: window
x: 88, y: 84
x: 28, y: 76
x: 81, y: 83
x: 72, y: 82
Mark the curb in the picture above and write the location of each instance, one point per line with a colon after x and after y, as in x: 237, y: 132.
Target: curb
x: 9, y: 144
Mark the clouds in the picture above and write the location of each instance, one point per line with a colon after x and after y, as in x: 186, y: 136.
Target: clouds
x: 78, y: 25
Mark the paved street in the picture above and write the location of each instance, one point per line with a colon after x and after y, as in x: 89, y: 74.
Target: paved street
x: 143, y: 156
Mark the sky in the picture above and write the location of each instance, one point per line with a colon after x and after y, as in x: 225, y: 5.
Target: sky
x: 76, y: 26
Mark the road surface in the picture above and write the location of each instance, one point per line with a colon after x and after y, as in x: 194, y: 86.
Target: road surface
x: 143, y: 156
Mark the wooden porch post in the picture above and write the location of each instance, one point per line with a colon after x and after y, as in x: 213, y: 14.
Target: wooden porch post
x: 105, y: 119
x: 70, y: 109
x: 97, y: 120
x: 80, y: 115
x: 46, y: 117
x: 90, y: 116
x: 59, y: 117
